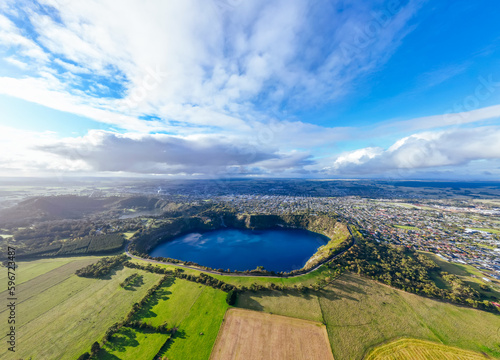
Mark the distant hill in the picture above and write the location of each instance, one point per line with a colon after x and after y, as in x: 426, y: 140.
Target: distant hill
x: 55, y: 208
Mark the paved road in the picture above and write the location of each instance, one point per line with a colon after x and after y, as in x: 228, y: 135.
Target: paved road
x: 239, y: 274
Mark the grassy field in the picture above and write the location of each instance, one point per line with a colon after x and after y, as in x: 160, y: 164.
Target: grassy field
x: 250, y: 335
x: 132, y: 344
x: 286, y: 303
x: 404, y: 227
x: 360, y: 314
x: 412, y: 349
x: 198, y: 331
x: 171, y: 303
x: 306, y: 280
x: 493, y: 231
x: 60, y: 315
x: 192, y: 308
x: 410, y: 206
x: 128, y: 235
x: 469, y: 274
x: 28, y: 270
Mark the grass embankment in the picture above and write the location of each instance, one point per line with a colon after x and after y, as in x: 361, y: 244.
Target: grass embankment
x: 60, y: 315
x: 360, y: 314
x: 337, y: 237
x: 413, y: 349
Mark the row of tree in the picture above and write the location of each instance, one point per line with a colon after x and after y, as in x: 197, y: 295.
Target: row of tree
x: 128, y: 322
x: 103, y: 267
x: 202, y: 278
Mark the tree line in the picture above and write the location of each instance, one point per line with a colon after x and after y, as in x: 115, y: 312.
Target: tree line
x: 128, y: 322
x: 103, y: 267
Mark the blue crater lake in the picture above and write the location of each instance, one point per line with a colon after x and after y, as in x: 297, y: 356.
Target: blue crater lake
x: 235, y: 249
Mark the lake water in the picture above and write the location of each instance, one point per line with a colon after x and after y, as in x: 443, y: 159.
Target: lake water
x: 235, y: 249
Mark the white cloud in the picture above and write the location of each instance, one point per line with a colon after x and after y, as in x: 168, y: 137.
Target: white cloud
x: 103, y: 151
x: 16, y: 62
x: 222, y: 63
x: 452, y: 148
x: 10, y: 36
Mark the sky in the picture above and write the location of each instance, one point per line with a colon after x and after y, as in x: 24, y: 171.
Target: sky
x: 231, y: 88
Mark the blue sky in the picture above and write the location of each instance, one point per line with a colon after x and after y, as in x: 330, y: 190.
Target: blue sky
x: 207, y: 89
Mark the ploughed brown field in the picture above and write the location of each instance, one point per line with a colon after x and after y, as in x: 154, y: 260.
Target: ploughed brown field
x: 252, y: 335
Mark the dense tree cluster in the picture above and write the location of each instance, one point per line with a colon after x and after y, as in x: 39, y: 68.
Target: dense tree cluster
x: 405, y: 269
x: 231, y: 297
x: 102, y: 267
x: 129, y: 280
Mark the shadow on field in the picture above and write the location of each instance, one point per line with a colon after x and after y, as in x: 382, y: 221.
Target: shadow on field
x: 136, y: 283
x: 104, y: 355
x: 251, y: 299
x: 179, y: 334
x: 126, y: 337
x: 161, y: 294
x: 112, y: 273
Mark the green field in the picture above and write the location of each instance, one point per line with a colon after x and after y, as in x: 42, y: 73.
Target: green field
x: 28, y: 270
x: 404, y: 227
x: 128, y: 235
x: 132, y: 344
x: 360, y: 314
x: 472, y: 276
x: 286, y: 303
x: 60, y: 315
x: 305, y: 280
x: 493, y: 231
x: 198, y: 330
x: 171, y: 303
x: 413, y: 349
x: 193, y: 309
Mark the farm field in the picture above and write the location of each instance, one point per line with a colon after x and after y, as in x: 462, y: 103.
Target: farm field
x: 60, y: 315
x: 198, y: 331
x: 360, y: 314
x: 132, y: 344
x: 171, y: 303
x: 28, y: 270
x: 250, y: 335
x: 191, y: 307
x: 412, y: 349
x: 286, y: 303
